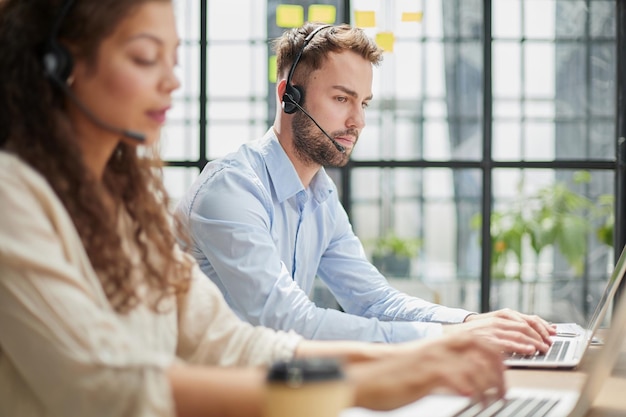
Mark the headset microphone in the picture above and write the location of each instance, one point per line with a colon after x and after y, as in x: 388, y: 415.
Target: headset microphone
x: 136, y: 136
x: 339, y: 147
x: 57, y: 63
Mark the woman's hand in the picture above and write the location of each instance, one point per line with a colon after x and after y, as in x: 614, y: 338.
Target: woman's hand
x: 463, y: 363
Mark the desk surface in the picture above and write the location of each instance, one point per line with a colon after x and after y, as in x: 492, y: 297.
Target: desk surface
x: 611, y: 402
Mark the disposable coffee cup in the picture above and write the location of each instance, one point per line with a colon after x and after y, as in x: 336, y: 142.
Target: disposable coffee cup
x: 312, y: 387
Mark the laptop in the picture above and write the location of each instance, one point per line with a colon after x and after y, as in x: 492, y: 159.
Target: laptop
x: 522, y: 402
x: 572, y: 340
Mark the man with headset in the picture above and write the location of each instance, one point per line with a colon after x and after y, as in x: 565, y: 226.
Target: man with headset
x: 265, y: 220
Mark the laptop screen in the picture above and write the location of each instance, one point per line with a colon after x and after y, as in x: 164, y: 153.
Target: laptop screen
x: 607, y: 296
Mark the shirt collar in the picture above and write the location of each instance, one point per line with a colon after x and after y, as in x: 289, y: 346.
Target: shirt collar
x: 284, y: 176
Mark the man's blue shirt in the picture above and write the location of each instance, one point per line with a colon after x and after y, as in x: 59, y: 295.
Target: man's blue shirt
x: 263, y: 238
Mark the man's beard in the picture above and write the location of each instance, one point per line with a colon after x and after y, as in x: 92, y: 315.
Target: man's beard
x: 313, y: 147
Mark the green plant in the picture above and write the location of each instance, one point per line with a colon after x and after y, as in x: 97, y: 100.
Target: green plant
x: 553, y: 216
x: 392, y: 244
x: 507, y: 233
x: 392, y: 254
x: 559, y: 218
x: 605, y: 211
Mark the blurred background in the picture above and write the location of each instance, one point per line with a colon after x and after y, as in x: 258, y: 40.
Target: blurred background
x: 507, y: 110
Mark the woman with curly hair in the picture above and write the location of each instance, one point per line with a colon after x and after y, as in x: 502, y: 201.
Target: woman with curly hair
x: 101, y: 314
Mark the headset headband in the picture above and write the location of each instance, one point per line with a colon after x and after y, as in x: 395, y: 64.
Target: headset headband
x: 306, y: 42
x: 63, y: 11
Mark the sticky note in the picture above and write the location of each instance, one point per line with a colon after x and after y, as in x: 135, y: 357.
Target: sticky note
x: 385, y: 40
x: 271, y: 68
x: 365, y: 19
x: 322, y: 13
x: 289, y: 16
x: 412, y: 16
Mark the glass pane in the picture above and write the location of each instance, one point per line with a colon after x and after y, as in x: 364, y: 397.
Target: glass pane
x: 435, y: 76
x: 180, y: 135
x: 232, y: 62
x: 506, y: 22
x: 187, y: 22
x: 433, y: 18
x: 236, y: 19
x: 506, y: 66
x: 565, y: 91
x: 370, y: 139
x: 538, y: 18
x: 602, y: 18
x: 177, y: 181
x: 603, y: 86
x: 602, y: 137
x: 448, y: 85
x: 408, y: 70
x: 237, y: 77
x: 434, y: 206
x: 180, y: 142
x: 538, y: 67
x: 226, y: 137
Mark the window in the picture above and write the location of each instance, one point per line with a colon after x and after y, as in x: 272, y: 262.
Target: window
x: 479, y: 107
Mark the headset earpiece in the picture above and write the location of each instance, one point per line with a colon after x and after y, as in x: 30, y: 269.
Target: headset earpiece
x: 57, y: 61
x: 293, y: 95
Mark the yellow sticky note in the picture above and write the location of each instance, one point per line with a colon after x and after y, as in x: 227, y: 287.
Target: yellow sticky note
x: 271, y: 69
x: 412, y: 16
x: 289, y: 16
x: 365, y: 19
x: 322, y: 13
x: 385, y: 40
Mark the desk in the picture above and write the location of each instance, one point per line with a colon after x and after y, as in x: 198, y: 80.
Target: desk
x: 611, y: 402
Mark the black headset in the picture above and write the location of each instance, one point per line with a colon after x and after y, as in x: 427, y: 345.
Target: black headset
x: 57, y: 59
x: 292, y: 99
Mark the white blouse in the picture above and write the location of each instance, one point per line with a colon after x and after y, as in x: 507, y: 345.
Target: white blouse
x: 64, y: 351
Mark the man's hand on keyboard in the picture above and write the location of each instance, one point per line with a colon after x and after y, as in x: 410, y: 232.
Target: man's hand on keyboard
x: 510, y: 330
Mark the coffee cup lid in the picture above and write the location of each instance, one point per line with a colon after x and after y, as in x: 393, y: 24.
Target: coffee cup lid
x: 299, y: 371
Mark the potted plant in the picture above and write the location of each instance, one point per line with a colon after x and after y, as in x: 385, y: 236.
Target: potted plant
x: 554, y: 216
x: 604, y: 211
x: 392, y: 254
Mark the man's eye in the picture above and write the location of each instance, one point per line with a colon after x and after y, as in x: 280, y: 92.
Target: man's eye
x: 342, y: 99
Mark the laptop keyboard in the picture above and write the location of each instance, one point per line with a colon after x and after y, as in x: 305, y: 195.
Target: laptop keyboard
x: 556, y: 353
x: 511, y: 407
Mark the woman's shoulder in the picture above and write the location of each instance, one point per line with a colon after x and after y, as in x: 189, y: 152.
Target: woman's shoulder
x: 8, y: 161
x: 25, y: 188
x: 14, y: 171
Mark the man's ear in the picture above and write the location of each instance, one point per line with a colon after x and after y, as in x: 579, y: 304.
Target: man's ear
x: 281, y: 86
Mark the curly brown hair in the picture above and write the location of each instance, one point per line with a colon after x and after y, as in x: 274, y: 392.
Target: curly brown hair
x: 34, y: 125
